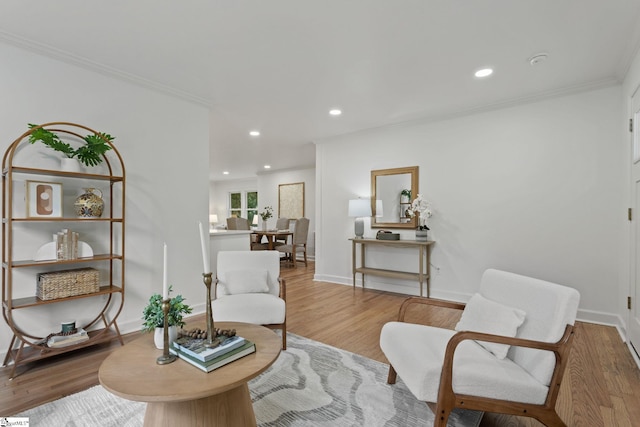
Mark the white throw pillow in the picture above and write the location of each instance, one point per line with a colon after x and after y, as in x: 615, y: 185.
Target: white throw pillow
x: 246, y: 282
x: 490, y: 317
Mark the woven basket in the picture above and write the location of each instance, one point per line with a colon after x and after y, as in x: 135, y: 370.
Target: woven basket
x: 67, y: 283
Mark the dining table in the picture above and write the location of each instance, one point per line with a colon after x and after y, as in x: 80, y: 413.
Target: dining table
x: 271, y: 236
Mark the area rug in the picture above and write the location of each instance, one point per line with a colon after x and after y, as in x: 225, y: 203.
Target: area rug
x: 311, y: 384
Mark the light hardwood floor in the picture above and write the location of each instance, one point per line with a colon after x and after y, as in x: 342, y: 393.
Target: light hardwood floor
x: 601, y: 386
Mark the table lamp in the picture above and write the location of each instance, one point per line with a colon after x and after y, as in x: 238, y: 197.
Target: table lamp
x: 213, y: 220
x: 359, y: 208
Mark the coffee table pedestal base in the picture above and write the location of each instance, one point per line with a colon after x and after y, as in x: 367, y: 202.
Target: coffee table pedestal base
x: 232, y: 408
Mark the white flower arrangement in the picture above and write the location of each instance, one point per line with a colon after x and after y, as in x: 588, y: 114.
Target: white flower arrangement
x: 420, y: 208
x: 267, y: 213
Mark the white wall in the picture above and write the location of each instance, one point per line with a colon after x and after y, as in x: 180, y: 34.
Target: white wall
x: 164, y: 144
x: 535, y: 189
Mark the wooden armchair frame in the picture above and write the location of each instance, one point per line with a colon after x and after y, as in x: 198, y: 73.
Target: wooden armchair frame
x: 448, y: 399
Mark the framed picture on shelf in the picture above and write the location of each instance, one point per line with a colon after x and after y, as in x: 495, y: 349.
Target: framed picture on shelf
x: 44, y: 199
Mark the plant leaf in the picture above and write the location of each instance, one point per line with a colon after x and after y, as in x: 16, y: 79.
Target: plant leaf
x: 51, y: 140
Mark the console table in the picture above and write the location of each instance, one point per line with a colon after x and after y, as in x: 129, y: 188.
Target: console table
x: 424, y: 249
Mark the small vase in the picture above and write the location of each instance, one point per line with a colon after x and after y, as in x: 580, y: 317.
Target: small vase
x: 421, y: 235
x: 264, y: 225
x: 158, y: 337
x: 70, y: 165
x: 89, y: 204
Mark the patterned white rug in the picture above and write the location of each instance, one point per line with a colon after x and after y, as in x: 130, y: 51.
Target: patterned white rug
x: 311, y: 384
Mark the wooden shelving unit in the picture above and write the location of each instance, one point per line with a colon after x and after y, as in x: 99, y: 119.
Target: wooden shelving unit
x: 26, y: 347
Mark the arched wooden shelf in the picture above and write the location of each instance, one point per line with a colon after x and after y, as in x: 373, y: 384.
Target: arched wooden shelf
x: 25, y: 346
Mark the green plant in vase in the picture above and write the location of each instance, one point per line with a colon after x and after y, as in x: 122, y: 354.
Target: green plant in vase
x: 90, y: 154
x: 153, y: 315
x: 265, y: 215
x: 405, y: 196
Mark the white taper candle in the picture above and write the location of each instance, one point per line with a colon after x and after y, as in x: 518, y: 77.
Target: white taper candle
x: 165, y: 286
x: 205, y: 250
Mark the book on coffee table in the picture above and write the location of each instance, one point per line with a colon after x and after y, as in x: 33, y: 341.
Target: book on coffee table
x: 195, y: 347
x: 247, y: 348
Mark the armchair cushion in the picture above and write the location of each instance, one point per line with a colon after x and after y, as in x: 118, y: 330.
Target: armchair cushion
x: 484, y: 315
x: 246, y: 281
x: 229, y: 261
x: 260, y: 309
x: 475, y: 371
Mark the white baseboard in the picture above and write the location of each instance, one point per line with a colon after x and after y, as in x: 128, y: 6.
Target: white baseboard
x: 411, y: 289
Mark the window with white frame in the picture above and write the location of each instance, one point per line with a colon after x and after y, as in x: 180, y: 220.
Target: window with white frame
x: 243, y: 204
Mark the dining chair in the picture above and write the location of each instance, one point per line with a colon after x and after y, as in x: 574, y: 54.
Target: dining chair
x: 281, y: 224
x: 298, y: 241
x: 235, y: 223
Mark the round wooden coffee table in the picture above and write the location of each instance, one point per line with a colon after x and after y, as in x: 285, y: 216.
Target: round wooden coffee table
x: 180, y: 394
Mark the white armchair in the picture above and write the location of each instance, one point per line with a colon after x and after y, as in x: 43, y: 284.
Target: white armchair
x: 248, y: 288
x: 508, y: 356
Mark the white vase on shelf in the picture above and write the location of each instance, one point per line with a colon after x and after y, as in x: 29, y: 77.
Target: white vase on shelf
x: 421, y: 235
x: 70, y: 165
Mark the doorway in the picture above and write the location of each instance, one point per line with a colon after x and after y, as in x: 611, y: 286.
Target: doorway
x: 634, y: 291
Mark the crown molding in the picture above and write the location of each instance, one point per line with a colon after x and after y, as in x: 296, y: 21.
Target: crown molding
x: 70, y: 58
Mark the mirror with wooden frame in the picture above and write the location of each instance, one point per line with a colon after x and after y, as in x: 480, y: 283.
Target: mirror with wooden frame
x: 389, y: 188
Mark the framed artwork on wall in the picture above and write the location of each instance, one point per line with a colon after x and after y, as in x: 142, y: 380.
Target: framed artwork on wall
x: 44, y: 199
x: 291, y: 200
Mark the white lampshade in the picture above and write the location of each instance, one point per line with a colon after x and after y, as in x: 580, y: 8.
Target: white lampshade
x: 359, y: 207
x: 255, y: 220
x: 379, y: 208
x: 213, y: 218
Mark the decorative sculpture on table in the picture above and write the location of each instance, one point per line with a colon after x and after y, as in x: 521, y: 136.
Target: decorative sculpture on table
x: 166, y: 357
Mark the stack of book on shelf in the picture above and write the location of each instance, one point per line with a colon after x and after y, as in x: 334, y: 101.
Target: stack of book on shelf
x: 66, y: 244
x: 193, y: 351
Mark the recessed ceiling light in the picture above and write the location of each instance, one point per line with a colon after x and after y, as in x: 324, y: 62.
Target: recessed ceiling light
x: 485, y: 72
x: 254, y: 133
x: 267, y: 166
x: 225, y: 173
x: 335, y: 112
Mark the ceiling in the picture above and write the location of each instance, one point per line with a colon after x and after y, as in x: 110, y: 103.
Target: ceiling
x: 278, y: 66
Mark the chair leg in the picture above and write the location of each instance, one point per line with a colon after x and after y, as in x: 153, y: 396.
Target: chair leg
x: 305, y: 254
x: 284, y: 337
x: 441, y: 415
x: 293, y: 255
x: 391, y: 379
